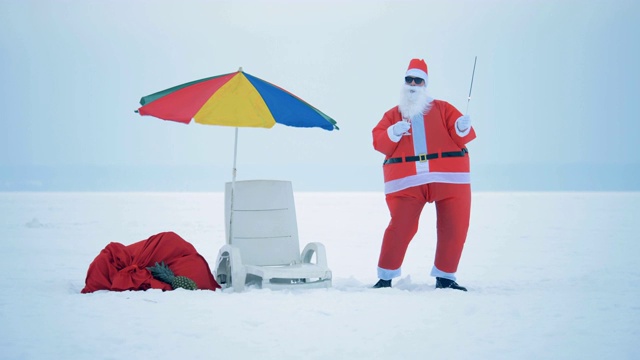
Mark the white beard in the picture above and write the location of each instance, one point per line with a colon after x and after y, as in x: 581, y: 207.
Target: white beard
x: 414, y: 100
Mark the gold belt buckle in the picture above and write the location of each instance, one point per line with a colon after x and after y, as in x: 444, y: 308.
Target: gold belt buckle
x: 423, y: 157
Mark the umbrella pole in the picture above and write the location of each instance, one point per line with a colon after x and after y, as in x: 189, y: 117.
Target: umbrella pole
x: 233, y: 185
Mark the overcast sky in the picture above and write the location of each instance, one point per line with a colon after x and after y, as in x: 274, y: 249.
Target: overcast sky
x: 551, y: 103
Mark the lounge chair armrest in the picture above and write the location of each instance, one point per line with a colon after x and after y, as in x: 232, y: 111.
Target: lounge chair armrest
x: 318, y: 249
x: 238, y: 272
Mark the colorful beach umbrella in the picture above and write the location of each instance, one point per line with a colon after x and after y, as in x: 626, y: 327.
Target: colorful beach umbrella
x: 236, y: 99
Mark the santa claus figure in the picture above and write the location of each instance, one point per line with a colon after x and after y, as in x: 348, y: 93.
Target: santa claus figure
x: 426, y: 161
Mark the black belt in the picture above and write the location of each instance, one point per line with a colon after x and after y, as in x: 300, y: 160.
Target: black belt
x: 425, y: 157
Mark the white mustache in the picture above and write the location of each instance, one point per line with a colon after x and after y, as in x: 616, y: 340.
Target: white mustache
x: 414, y: 100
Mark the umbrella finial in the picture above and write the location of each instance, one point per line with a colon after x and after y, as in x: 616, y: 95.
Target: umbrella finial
x: 240, y: 69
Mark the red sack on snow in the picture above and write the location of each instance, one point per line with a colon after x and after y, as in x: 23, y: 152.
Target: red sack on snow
x: 119, y: 267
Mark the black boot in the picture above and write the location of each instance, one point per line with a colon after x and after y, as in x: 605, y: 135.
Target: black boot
x: 442, y: 283
x: 382, y: 284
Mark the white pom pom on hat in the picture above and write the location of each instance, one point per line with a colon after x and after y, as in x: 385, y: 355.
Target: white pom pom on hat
x: 418, y: 68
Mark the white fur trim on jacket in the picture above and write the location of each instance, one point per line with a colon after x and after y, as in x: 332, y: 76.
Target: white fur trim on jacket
x: 426, y: 178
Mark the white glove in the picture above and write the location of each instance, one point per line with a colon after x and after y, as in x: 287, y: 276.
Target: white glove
x: 401, y: 127
x: 463, y: 122
x: 463, y: 125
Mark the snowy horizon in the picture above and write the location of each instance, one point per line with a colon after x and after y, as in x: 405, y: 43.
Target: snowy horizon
x: 515, y: 177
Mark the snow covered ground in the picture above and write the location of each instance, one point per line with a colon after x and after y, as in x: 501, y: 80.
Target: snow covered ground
x: 550, y: 276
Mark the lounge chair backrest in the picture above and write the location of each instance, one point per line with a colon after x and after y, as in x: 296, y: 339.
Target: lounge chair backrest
x: 264, y: 222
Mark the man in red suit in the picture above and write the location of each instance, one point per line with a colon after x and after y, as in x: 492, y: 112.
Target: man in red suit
x: 426, y: 161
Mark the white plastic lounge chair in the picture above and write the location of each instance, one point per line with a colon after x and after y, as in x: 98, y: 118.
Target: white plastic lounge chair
x: 262, y: 245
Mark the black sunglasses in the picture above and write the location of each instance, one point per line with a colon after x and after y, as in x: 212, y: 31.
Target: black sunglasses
x: 409, y: 79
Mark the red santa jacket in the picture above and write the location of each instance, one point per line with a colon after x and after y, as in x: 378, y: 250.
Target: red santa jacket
x: 433, y: 152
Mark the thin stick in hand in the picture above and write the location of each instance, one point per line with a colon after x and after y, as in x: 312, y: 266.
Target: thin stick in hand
x: 471, y: 87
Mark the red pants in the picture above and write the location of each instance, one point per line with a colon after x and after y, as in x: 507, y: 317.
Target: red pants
x: 453, y: 210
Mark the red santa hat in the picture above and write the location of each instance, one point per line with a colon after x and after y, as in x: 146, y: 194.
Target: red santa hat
x: 418, y: 68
